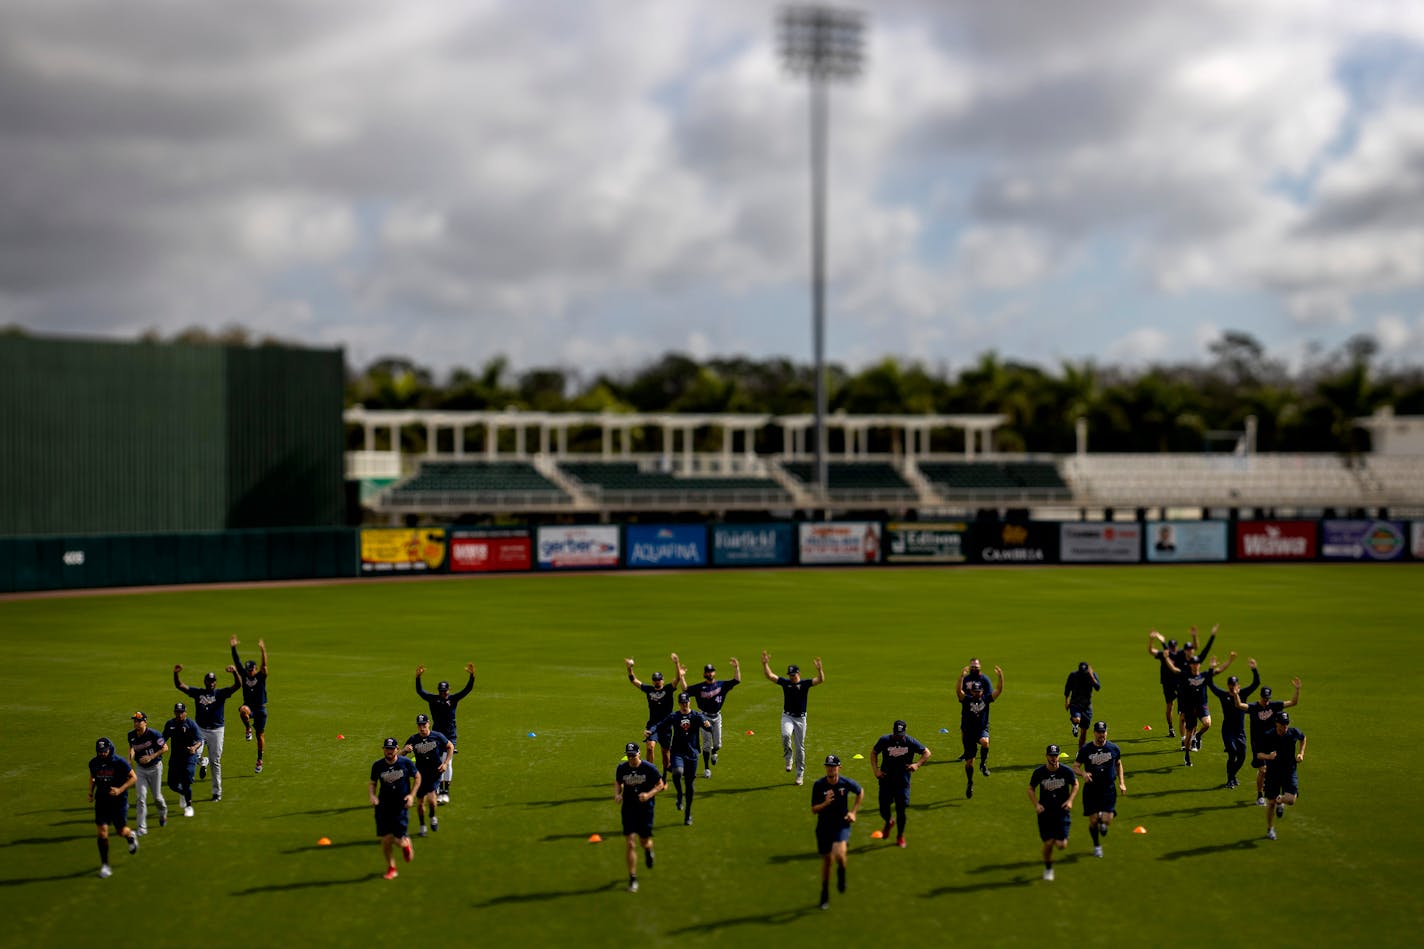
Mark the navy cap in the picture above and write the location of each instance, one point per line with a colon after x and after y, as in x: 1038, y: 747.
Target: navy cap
x: 899, y: 727
x: 792, y: 669
x: 631, y: 748
x: 391, y: 743
x: 443, y: 687
x: 1052, y: 750
x: 139, y: 717
x: 1194, y: 660
x: 709, y: 668
x: 833, y: 761
x: 422, y: 719
x: 1233, y: 680
x: 1082, y: 667
x: 657, y: 677
x: 684, y: 697
x: 250, y: 665
x: 1266, y: 692
x: 179, y: 707
x: 1171, y: 644
x: 210, y: 678
x: 1100, y: 727
x: 1283, y: 717
x: 102, y: 746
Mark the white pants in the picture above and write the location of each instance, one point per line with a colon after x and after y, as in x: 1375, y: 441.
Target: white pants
x: 213, y: 737
x: 793, y: 739
x: 714, y: 737
x: 150, y: 781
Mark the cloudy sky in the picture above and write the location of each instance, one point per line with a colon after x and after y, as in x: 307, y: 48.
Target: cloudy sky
x: 591, y: 184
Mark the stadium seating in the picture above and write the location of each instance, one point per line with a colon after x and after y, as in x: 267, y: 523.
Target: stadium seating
x: 867, y: 480
x: 628, y: 481
x: 1029, y: 480
x: 1225, y: 480
x: 471, y: 481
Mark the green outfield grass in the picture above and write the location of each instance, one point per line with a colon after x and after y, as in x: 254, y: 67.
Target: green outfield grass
x: 512, y: 864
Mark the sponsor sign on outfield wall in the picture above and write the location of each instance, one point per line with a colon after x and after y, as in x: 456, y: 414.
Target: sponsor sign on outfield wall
x: 485, y: 550
x: 1416, y: 539
x: 926, y: 542
x: 1275, y: 540
x: 1104, y: 542
x: 667, y: 545
x: 402, y: 550
x: 840, y: 542
x: 564, y: 548
x: 1014, y: 542
x: 751, y: 544
x: 1186, y: 541
x: 1362, y: 540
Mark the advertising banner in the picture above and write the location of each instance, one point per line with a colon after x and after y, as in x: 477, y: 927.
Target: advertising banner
x: 402, y: 550
x: 667, y: 545
x: 1103, y: 542
x: 1416, y: 542
x: 1186, y: 541
x: 564, y: 548
x: 1362, y: 540
x: 1014, y: 542
x: 840, y: 542
x: 1275, y: 540
x: 926, y: 542
x: 482, y: 550
x: 746, y: 545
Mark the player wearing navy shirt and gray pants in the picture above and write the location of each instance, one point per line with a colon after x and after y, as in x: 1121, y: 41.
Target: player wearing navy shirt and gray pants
x: 442, y: 717
x: 709, y: 694
x: 432, y: 752
x: 184, y: 740
x: 1057, y: 787
x: 835, y: 815
x: 395, y: 781
x: 210, y: 701
x: 146, y: 753
x: 793, y: 711
x: 892, y: 761
x: 254, y: 697
x: 635, y: 783
x: 110, y: 778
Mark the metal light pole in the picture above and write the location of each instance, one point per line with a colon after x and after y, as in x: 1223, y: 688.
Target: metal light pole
x: 824, y: 44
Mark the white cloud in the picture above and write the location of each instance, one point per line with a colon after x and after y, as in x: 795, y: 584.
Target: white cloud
x: 1144, y: 345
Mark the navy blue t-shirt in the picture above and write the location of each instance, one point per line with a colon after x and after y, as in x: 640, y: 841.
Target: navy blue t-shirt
x: 1233, y: 720
x: 254, y: 687
x: 209, y: 704
x: 974, y: 712
x: 1284, y: 746
x: 429, y: 750
x: 181, y: 735
x: 393, y: 780
x: 661, y: 699
x: 1054, y: 787
x: 1080, y: 687
x: 108, y: 773
x: 1165, y: 675
x: 794, y: 700
x: 686, y: 732
x: 1263, y: 721
x: 1192, y: 689
x: 636, y: 781
x: 442, y: 707
x: 145, y: 744
x: 844, y: 791
x: 897, y: 753
x: 1100, y: 763
x: 709, y: 696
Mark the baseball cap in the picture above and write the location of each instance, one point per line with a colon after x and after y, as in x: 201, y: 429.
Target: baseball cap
x: 709, y: 668
x: 1232, y: 680
x: 1283, y: 717
x: 250, y: 665
x: 1082, y: 667
x: 899, y: 727
x: 139, y: 717
x: 631, y: 748
x: 1171, y: 644
x: 422, y: 719
x: 179, y: 707
x: 1052, y: 750
x: 833, y: 761
x: 103, y: 745
x: 792, y: 669
x: 443, y: 687
x: 684, y: 697
x: 657, y: 677
x: 1266, y: 692
x: 391, y: 743
x: 210, y: 678
x: 1194, y: 660
x: 1100, y: 727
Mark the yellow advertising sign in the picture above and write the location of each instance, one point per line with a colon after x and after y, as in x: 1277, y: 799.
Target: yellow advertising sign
x: 401, y: 549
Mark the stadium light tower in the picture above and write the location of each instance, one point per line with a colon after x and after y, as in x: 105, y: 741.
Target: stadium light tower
x: 823, y: 44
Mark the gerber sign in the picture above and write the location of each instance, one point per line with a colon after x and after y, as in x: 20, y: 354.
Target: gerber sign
x: 667, y: 545
x: 1362, y: 540
x: 1275, y: 540
x: 565, y: 548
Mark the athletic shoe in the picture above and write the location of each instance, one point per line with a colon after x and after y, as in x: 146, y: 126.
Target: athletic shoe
x: 633, y: 885
x: 434, y: 824
x: 900, y: 841
x: 1097, y: 851
x: 825, y: 902
x: 648, y: 857
x: 678, y: 805
x: 142, y: 831
x: 217, y: 797
x: 443, y: 798
x: 714, y: 757
x: 188, y: 811
x: 1075, y: 731
x: 1171, y: 732
x: 105, y: 872
x: 203, y: 769
x: 687, y: 821
x: 391, y: 874
x: 1270, y: 833
x: 1102, y: 829
x: 1280, y: 810
x: 249, y: 734
x: 422, y: 830
x: 707, y: 772
x: 1196, y: 743
x: 889, y: 826
x: 163, y: 819
x: 408, y: 851
x: 800, y: 780
x: 1048, y: 874
x: 258, y: 769
x: 1184, y: 743
x: 788, y: 767
x: 133, y: 843
x: 1189, y: 761
x: 1260, y: 802
x: 969, y: 789
x: 983, y: 769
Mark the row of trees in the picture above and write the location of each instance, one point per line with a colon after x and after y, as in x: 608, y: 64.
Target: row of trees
x: 1180, y: 407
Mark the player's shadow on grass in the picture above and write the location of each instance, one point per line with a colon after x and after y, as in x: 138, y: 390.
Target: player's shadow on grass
x: 1166, y: 791
x: 516, y: 898
x: 48, y: 840
x: 323, y: 812
x: 976, y: 887
x: 605, y: 834
x: 938, y: 805
x: 601, y: 799
x: 1183, y: 811
x: 780, y: 858
x: 1058, y: 860
x: 59, y: 810
x: 304, y: 885
x: 1247, y: 844
x: 21, y: 881
x: 762, y: 787
x: 766, y: 919
x: 335, y: 846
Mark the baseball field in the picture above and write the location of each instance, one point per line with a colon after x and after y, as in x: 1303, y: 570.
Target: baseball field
x: 544, y: 729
